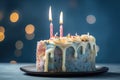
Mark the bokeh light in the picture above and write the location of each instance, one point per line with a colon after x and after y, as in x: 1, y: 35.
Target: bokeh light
x: 14, y: 17
x: 29, y: 29
x: 30, y: 36
x: 13, y: 62
x: 2, y: 36
x: 2, y: 29
x: 19, y: 44
x: 18, y: 53
x: 91, y: 19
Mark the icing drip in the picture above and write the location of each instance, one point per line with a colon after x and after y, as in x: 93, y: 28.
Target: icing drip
x: 75, y: 54
x: 94, y: 49
x: 97, y: 49
x: 75, y: 48
x: 52, y: 54
x: 92, y: 45
x: 64, y: 59
x: 84, y: 44
x: 49, y: 51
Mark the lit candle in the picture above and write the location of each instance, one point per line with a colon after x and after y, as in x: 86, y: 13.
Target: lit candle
x: 61, y: 22
x: 51, y: 25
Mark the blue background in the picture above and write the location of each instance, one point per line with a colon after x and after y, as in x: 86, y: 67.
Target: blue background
x: 106, y: 29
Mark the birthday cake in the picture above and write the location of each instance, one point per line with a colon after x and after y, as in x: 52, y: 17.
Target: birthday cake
x: 67, y: 54
x: 71, y: 53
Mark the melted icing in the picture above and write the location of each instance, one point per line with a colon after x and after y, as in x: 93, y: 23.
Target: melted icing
x: 66, y: 42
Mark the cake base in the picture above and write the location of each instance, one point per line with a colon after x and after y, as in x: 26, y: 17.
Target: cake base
x: 31, y: 70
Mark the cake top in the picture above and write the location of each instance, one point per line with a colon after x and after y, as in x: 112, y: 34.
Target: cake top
x: 66, y: 40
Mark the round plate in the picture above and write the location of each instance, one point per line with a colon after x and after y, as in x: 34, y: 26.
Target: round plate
x: 31, y: 70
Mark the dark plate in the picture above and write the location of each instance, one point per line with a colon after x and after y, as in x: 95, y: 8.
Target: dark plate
x: 31, y: 70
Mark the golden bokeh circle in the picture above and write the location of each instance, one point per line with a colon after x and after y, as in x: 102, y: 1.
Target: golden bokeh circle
x: 29, y: 29
x: 19, y: 44
x: 13, y: 62
x: 14, y: 17
x: 2, y: 36
x: 2, y: 29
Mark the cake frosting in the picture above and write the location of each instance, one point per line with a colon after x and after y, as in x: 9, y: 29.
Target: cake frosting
x: 66, y: 54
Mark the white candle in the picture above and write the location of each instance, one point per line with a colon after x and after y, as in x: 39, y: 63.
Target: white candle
x: 61, y: 22
x: 51, y: 25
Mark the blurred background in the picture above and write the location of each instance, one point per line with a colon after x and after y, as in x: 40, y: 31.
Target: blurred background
x: 24, y: 22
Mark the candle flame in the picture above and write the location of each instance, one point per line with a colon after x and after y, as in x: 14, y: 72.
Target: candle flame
x: 61, y: 17
x: 50, y: 14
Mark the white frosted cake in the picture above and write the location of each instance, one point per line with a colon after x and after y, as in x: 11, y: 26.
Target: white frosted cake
x: 66, y: 54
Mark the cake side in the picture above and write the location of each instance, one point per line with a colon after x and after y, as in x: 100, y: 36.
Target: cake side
x: 40, y: 53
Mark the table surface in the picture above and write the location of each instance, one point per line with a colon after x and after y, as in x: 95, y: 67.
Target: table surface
x: 12, y: 72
